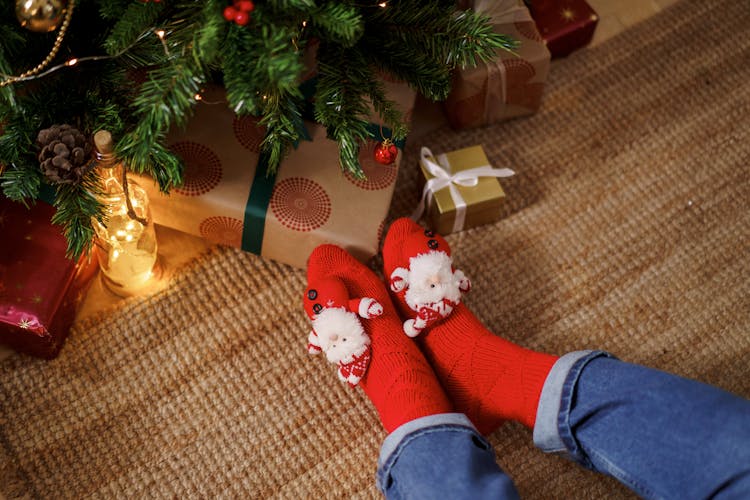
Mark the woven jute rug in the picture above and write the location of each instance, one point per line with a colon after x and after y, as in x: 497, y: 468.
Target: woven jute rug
x: 626, y: 229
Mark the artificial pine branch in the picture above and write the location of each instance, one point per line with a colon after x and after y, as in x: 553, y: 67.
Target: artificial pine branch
x: 338, y: 23
x: 21, y: 184
x: 387, y: 110
x: 76, y: 206
x: 285, y: 6
x: 168, y: 96
x: 113, y: 10
x: 138, y: 18
x: 340, y: 104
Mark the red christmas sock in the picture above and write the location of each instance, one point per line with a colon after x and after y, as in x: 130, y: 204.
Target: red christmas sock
x: 399, y: 381
x: 488, y: 378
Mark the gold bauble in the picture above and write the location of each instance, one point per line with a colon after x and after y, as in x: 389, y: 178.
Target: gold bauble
x: 41, y: 16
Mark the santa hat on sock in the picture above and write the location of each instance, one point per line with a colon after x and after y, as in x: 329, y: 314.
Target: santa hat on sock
x: 418, y: 264
x: 330, y: 293
x: 405, y: 240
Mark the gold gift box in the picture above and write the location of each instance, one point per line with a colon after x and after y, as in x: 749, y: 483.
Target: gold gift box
x: 483, y: 201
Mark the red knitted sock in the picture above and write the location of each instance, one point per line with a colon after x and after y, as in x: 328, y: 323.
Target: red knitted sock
x: 399, y: 381
x: 488, y: 378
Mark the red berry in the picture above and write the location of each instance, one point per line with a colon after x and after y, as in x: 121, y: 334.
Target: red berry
x: 241, y: 18
x: 245, y: 5
x: 229, y: 13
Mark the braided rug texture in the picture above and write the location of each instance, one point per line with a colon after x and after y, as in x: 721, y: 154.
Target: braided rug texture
x: 626, y: 228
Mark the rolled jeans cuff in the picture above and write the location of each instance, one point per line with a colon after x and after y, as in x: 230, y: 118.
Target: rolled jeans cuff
x: 556, y: 400
x: 396, y: 440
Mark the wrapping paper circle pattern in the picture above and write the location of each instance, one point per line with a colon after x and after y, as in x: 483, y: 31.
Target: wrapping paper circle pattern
x: 377, y: 175
x: 203, y: 169
x: 248, y: 132
x: 528, y: 30
x: 222, y: 230
x: 300, y: 204
x: 519, y: 70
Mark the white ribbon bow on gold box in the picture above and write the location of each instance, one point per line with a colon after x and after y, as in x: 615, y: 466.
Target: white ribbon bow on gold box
x: 442, y: 176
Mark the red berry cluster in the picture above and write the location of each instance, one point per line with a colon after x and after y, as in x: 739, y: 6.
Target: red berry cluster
x: 239, y: 12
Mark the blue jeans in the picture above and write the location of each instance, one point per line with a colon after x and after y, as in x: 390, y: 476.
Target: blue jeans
x: 661, y: 435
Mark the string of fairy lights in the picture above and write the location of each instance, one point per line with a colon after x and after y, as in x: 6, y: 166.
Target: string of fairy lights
x: 39, y: 70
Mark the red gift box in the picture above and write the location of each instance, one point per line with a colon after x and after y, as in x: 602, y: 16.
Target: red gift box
x: 40, y: 288
x: 565, y: 25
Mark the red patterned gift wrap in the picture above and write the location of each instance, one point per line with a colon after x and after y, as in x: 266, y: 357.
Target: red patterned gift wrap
x: 509, y: 86
x: 40, y: 288
x: 565, y: 25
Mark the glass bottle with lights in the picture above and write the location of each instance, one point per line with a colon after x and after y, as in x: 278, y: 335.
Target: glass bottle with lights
x: 126, y: 239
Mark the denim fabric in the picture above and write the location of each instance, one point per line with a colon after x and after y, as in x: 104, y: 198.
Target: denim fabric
x: 546, y: 436
x: 440, y: 456
x: 662, y: 435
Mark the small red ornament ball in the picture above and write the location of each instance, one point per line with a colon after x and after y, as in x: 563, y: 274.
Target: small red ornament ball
x: 385, y: 152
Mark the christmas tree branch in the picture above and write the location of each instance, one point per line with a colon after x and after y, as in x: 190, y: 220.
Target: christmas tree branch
x: 139, y: 17
x: 387, y: 110
x: 339, y: 101
x: 338, y: 23
x: 261, y: 75
x: 168, y: 97
x: 76, y: 205
x: 21, y: 178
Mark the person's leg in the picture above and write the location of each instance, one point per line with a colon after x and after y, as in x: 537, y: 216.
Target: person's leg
x: 429, y: 452
x: 398, y: 381
x: 662, y: 435
x: 487, y: 377
x: 441, y: 456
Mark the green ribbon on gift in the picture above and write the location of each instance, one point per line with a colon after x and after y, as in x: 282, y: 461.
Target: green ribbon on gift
x: 259, y: 198
x: 257, y: 206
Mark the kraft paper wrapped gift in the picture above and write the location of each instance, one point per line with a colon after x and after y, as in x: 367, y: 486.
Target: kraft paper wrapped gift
x: 509, y: 86
x: 460, y: 190
x: 228, y: 199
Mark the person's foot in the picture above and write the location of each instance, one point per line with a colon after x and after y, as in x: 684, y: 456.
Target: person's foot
x: 396, y: 377
x: 488, y: 378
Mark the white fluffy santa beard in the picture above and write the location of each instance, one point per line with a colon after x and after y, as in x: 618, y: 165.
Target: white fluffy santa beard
x: 340, y: 334
x: 432, y: 281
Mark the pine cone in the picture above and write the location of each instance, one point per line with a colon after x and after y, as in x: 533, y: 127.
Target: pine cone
x: 64, y: 154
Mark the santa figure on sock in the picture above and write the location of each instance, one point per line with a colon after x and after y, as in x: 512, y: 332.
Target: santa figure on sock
x: 423, y: 278
x: 336, y: 327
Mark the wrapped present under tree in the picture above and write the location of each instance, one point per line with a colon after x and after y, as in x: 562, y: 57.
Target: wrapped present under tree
x: 40, y: 288
x: 137, y: 68
x: 511, y: 84
x: 460, y: 189
x: 565, y: 25
x: 229, y: 198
